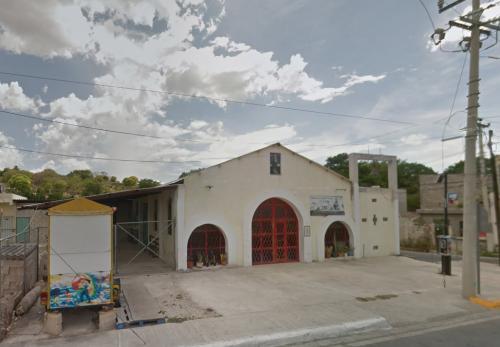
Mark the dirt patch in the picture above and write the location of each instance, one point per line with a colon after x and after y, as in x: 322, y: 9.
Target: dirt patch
x: 174, y: 303
x: 376, y: 297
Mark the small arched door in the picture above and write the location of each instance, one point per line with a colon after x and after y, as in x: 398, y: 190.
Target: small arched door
x: 275, y: 233
x: 337, y: 241
x: 206, y: 241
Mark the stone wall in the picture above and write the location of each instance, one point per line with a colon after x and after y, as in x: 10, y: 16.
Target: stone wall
x: 415, y: 233
x: 18, y: 274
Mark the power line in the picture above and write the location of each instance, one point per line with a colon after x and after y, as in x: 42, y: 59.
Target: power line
x: 234, y: 101
x: 105, y: 158
x: 10, y: 113
x: 50, y: 120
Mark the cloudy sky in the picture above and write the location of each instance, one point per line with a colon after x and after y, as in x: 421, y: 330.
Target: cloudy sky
x: 370, y: 59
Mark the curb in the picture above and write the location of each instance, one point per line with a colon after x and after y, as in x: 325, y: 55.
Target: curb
x: 485, y: 303
x: 303, y: 335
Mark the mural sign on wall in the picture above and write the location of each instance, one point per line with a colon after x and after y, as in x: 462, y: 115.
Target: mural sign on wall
x: 72, y: 290
x: 327, y: 205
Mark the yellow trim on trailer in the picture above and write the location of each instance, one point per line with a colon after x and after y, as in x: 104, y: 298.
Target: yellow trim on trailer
x: 80, y: 207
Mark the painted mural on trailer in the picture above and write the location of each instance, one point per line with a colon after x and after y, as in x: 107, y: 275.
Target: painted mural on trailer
x: 327, y: 205
x: 70, y: 290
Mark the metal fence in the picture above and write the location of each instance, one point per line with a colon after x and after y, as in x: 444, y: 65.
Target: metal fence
x: 19, y: 260
x: 138, y: 243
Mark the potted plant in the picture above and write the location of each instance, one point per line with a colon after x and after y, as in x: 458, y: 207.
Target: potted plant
x: 328, y: 251
x: 199, y: 260
x: 223, y: 259
x: 345, y: 251
x: 190, y: 262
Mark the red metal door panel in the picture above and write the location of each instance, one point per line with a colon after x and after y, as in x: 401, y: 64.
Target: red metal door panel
x: 275, y: 233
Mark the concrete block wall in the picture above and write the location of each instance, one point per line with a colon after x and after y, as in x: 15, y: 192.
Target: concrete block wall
x: 39, y: 223
x: 415, y: 230
x: 15, y: 277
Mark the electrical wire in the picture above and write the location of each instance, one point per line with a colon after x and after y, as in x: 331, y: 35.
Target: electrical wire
x: 105, y: 158
x: 452, y: 106
x: 234, y: 101
x: 434, y: 28
x: 51, y: 120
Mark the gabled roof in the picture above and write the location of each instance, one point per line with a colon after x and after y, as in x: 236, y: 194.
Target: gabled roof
x: 10, y: 198
x: 277, y: 144
x: 80, y: 207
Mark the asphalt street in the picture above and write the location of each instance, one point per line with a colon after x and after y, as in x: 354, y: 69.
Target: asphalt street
x: 436, y: 258
x: 484, y: 334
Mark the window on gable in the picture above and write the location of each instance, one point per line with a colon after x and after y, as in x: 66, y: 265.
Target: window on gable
x: 275, y: 164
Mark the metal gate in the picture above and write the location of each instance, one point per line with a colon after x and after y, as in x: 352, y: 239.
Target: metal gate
x: 137, y: 246
x: 275, y: 233
x: 208, y: 242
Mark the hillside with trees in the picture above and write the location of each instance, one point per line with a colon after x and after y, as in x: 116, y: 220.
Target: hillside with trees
x: 49, y: 185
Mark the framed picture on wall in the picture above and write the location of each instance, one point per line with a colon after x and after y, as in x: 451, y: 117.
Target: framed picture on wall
x: 327, y: 205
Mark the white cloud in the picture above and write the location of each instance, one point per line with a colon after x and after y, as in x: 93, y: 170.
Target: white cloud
x: 414, y: 139
x: 8, y: 157
x: 12, y: 98
x: 114, y: 34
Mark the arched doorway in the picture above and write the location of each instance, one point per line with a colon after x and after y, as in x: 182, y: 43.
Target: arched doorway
x: 275, y: 233
x: 208, y: 243
x: 337, y: 241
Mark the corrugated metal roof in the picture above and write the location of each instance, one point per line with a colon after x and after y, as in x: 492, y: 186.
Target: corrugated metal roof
x: 131, y: 193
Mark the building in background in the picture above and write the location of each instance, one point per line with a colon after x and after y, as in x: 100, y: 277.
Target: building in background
x: 432, y: 208
x: 10, y: 222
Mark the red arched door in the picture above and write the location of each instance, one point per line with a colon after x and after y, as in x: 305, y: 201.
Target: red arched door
x: 275, y: 233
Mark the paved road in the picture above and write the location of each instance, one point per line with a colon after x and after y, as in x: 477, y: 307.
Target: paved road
x: 436, y: 258
x: 485, y: 334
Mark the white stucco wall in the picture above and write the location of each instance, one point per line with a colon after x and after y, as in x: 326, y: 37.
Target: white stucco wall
x: 377, y: 239
x: 227, y: 196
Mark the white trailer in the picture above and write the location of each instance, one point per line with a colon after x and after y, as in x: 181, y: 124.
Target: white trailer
x: 80, y: 264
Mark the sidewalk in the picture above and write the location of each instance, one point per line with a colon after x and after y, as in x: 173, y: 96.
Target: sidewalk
x: 275, y: 304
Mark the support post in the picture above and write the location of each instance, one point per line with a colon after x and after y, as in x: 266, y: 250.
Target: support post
x: 469, y: 266
x: 446, y: 258
x: 495, y: 189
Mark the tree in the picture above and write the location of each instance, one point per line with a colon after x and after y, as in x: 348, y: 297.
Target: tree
x: 457, y: 168
x: 92, y: 187
x: 147, y: 183
x: 20, y: 184
x: 339, y: 164
x: 375, y: 174
x: 130, y: 181
x: 82, y: 174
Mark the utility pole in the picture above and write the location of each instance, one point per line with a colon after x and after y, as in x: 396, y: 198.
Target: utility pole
x: 469, y: 250
x: 495, y: 187
x: 470, y: 22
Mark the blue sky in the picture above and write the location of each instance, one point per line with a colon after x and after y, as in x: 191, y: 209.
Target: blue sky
x: 368, y: 58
